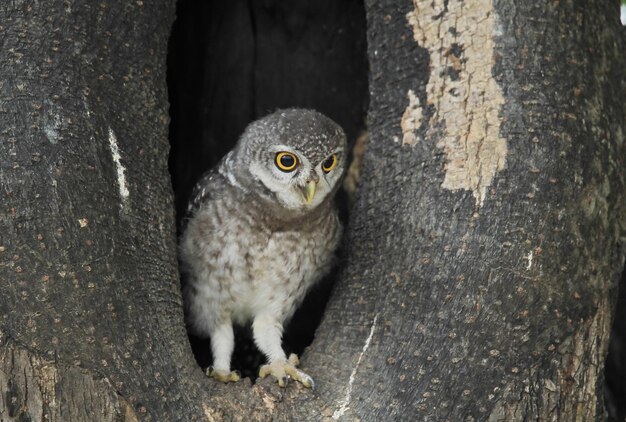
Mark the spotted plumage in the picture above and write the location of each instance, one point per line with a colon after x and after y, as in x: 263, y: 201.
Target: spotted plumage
x: 261, y: 230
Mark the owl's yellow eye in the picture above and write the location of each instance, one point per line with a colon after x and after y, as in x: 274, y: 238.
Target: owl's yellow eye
x: 286, y: 161
x: 329, y: 163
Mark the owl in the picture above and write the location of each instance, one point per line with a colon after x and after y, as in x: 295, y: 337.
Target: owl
x: 261, y: 229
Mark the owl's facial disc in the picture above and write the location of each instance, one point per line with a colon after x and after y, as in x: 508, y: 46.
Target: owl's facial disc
x: 293, y: 180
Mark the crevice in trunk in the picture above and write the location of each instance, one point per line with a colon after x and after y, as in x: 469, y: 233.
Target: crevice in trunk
x: 230, y: 63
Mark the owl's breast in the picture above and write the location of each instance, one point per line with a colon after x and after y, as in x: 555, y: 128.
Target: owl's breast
x: 290, y: 263
x: 244, y: 267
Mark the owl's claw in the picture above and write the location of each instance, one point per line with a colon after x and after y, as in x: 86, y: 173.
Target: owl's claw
x: 223, y: 376
x: 282, y: 370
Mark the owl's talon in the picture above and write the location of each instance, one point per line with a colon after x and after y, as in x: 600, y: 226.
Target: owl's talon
x: 223, y: 376
x: 283, y: 370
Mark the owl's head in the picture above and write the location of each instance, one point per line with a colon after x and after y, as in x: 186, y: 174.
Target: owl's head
x: 293, y: 157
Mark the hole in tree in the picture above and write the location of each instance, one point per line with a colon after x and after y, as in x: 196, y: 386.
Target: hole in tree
x: 233, y: 62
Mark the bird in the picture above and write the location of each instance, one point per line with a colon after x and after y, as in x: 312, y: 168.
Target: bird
x: 261, y: 229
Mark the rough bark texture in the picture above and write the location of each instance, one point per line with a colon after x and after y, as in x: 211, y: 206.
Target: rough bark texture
x: 91, y: 325
x: 491, y: 291
x: 481, y: 258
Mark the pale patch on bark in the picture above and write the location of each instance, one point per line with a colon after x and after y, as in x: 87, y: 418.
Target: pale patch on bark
x: 51, y: 129
x: 462, y: 90
x: 529, y: 259
x: 128, y: 411
x: 210, y: 414
x: 121, y: 178
x: 37, y: 389
x: 49, y: 376
x: 411, y: 120
x: 345, y: 403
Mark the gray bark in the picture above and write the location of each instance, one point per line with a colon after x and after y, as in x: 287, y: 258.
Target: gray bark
x: 497, y: 206
x: 91, y: 312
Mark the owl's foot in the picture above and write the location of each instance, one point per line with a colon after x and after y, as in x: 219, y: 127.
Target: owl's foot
x: 223, y: 376
x: 282, y: 370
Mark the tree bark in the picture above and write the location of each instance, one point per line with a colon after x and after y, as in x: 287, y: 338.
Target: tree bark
x: 494, y: 181
x: 91, y: 313
x: 482, y: 254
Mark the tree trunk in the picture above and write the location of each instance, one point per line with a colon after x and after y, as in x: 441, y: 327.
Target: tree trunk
x: 494, y: 181
x: 92, y: 319
x: 482, y: 254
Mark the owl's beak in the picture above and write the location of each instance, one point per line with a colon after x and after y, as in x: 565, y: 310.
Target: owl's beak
x: 308, y: 191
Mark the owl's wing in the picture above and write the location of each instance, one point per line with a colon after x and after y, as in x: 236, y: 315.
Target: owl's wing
x: 203, y: 191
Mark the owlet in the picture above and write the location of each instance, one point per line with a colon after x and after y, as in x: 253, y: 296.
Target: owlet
x: 261, y: 229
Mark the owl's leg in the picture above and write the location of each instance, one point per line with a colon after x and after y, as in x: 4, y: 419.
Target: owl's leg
x: 222, y: 345
x: 268, y: 332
